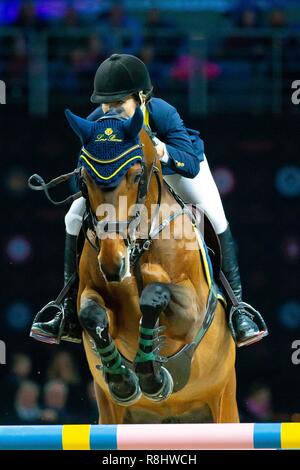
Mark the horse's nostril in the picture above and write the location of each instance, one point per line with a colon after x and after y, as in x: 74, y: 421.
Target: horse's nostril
x: 114, y: 275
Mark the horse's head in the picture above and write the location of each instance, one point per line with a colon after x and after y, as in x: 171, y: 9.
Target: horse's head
x: 115, y: 175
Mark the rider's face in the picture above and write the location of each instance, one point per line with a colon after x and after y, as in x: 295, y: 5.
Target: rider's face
x: 128, y: 104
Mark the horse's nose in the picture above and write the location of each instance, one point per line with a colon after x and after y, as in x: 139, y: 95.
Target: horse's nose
x: 114, y: 273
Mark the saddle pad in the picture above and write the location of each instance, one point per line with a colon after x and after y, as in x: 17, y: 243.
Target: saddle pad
x: 205, y: 258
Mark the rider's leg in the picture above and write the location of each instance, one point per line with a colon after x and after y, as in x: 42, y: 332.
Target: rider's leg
x: 71, y: 330
x: 202, y: 190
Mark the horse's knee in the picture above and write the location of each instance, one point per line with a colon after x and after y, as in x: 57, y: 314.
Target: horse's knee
x: 93, y: 317
x: 155, y: 297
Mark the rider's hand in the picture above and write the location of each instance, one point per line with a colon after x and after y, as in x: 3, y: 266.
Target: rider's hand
x: 161, y: 150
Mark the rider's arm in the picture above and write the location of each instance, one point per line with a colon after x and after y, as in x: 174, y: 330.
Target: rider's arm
x: 182, y: 157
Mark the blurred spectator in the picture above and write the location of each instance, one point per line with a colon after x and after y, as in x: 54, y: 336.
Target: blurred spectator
x: 249, y: 19
x: 55, y: 403
x: 154, y: 20
x: 71, y: 19
x: 76, y: 73
x: 79, y: 60
x: 21, y: 368
x: 278, y: 19
x: 20, y: 371
x: 117, y: 19
x: 159, y: 72
x: 96, y: 51
x: 63, y: 368
x: 17, y: 66
x: 25, y: 409
x: 164, y: 36
x: 28, y: 18
x: 258, y: 405
x: 253, y: 48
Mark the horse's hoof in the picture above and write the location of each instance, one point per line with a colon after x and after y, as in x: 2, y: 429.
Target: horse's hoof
x: 134, y: 397
x: 166, y: 389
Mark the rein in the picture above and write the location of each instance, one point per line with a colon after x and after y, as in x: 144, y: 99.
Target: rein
x: 42, y: 186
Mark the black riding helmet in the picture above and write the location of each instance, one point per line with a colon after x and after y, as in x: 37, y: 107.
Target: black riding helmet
x: 119, y: 76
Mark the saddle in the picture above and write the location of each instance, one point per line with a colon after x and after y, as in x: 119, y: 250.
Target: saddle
x: 212, y: 242
x: 210, y: 236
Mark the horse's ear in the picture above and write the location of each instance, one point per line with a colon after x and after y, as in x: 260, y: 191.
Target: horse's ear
x: 82, y: 127
x: 132, y: 126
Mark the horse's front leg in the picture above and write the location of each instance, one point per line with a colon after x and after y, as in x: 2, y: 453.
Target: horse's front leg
x: 122, y: 382
x: 155, y: 381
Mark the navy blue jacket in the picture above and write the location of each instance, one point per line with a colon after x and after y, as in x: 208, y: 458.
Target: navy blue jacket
x: 185, y: 148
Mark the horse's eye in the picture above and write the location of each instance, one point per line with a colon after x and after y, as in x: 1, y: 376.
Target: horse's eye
x: 137, y: 177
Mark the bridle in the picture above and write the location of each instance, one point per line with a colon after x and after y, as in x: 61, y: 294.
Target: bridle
x: 127, y: 229
x: 136, y: 246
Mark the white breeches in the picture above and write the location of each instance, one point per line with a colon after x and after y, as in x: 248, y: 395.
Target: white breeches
x: 73, y: 218
x: 201, y: 190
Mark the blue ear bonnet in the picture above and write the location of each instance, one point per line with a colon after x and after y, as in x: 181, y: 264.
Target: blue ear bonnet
x: 107, y: 151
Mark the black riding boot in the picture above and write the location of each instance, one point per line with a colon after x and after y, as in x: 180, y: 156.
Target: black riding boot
x: 243, y: 324
x: 65, y: 323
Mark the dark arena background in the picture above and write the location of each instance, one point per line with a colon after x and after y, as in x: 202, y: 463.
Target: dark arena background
x: 230, y: 68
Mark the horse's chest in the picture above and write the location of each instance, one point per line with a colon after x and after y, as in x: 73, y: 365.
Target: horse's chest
x: 142, y: 416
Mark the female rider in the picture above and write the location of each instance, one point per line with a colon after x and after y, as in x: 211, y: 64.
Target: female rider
x: 123, y: 79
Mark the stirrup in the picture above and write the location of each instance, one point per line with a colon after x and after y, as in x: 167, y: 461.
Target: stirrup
x: 255, y: 316
x: 44, y: 338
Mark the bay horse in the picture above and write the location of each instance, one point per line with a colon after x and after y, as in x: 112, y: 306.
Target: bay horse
x: 130, y: 290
